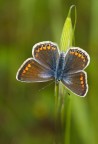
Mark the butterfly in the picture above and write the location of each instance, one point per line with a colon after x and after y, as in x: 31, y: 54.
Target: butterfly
x: 48, y: 63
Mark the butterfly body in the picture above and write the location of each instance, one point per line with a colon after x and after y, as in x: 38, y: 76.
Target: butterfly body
x: 48, y: 63
x: 60, y: 67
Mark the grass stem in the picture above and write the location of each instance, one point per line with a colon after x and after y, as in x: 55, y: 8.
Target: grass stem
x: 68, y: 120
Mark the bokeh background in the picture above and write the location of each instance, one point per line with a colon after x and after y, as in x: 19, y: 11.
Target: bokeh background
x: 27, y: 110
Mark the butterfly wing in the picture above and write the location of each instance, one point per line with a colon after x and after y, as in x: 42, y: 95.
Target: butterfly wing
x: 76, y: 82
x: 46, y: 53
x: 74, y: 78
x: 76, y: 59
x: 32, y: 71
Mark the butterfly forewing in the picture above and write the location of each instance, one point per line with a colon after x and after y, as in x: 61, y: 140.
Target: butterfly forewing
x: 32, y: 71
x: 47, y: 54
x: 76, y: 82
x: 76, y: 59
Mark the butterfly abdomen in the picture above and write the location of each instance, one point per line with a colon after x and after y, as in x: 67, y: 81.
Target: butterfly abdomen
x: 60, y: 67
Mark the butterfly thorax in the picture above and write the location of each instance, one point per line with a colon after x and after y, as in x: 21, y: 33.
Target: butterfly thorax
x: 60, y: 67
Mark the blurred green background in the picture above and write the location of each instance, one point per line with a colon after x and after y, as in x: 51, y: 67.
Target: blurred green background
x: 27, y: 110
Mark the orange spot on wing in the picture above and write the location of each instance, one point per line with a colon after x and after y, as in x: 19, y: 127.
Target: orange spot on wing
x: 44, y: 47
x: 48, y: 47
x: 82, y: 82
x: 71, y: 52
x: 76, y: 53
x: 53, y: 48
x: 29, y: 65
x: 26, y: 68
x: 40, y: 48
x: 79, y: 55
x: 24, y: 71
x: 37, y: 50
x: 81, y: 78
x: 82, y: 57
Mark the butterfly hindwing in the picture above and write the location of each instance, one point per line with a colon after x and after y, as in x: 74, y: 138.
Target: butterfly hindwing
x: 32, y: 71
x: 46, y: 53
x: 76, y: 82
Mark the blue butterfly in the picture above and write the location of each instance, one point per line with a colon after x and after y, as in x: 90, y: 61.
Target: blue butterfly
x: 48, y: 63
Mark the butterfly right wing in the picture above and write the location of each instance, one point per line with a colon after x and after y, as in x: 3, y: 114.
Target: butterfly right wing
x: 32, y: 71
x: 76, y: 59
x: 76, y: 82
x: 74, y: 78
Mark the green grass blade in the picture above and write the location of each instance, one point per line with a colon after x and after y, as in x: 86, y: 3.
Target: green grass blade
x: 67, y: 32
x: 66, y: 41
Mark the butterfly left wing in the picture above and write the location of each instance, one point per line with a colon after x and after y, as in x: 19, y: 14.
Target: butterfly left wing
x: 46, y: 53
x: 76, y: 82
x: 32, y: 71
